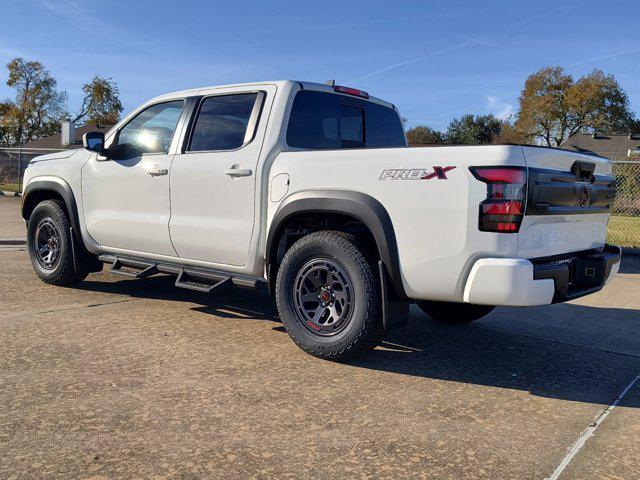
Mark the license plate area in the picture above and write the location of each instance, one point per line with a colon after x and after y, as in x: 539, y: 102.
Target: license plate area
x: 578, y: 274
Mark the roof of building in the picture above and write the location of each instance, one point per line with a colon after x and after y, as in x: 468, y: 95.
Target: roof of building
x: 614, y: 146
x: 54, y: 142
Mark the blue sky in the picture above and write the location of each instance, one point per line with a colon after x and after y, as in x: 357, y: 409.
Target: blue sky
x: 434, y: 59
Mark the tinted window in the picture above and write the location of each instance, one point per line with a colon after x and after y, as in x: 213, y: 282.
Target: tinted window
x: 314, y: 121
x: 327, y: 121
x: 222, y: 122
x: 151, y: 131
x: 351, y: 127
x: 384, y: 128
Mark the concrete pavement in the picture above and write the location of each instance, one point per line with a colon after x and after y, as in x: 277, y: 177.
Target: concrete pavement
x: 12, y: 226
x: 133, y: 378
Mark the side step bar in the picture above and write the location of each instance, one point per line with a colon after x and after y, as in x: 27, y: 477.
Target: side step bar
x: 193, y: 278
x: 140, y: 270
x: 199, y: 284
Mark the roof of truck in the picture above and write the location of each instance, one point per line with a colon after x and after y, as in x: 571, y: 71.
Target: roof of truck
x: 277, y: 83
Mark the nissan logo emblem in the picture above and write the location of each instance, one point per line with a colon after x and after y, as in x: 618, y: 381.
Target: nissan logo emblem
x: 583, y: 196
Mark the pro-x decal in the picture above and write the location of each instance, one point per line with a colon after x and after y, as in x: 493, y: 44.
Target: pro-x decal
x: 416, y: 173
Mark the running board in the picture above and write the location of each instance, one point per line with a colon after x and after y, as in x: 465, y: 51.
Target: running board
x: 193, y: 278
x: 135, y: 270
x: 200, y: 283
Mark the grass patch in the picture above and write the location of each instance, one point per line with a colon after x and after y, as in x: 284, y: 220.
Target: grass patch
x: 624, y: 231
x: 10, y: 187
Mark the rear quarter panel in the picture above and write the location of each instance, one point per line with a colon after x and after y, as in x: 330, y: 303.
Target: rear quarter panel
x: 435, y: 220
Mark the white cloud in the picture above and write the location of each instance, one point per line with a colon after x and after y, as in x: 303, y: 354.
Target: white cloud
x: 604, y: 57
x: 409, y: 62
x: 78, y: 13
x: 501, y: 110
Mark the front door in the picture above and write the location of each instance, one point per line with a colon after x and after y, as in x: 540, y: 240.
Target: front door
x: 126, y: 196
x: 213, y: 182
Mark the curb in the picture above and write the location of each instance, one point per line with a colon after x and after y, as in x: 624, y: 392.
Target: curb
x: 10, y: 194
x: 16, y: 241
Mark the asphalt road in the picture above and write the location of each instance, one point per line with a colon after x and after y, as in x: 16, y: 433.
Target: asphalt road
x: 122, y: 378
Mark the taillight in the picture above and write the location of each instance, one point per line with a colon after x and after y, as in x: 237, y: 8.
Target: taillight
x: 503, y: 209
x: 350, y: 91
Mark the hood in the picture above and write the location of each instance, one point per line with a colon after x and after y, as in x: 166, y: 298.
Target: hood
x: 54, y: 156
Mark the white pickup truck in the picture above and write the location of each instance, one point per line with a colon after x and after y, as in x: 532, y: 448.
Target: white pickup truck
x: 311, y: 190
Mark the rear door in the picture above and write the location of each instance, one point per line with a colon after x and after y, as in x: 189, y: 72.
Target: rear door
x: 126, y: 197
x: 570, y: 196
x: 213, y: 179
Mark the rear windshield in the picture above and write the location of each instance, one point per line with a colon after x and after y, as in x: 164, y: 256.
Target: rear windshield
x: 327, y: 121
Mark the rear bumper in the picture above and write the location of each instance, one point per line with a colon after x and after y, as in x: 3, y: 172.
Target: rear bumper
x: 580, y: 274
x: 521, y: 282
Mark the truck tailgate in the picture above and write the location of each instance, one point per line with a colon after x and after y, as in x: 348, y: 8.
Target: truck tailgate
x: 569, y: 199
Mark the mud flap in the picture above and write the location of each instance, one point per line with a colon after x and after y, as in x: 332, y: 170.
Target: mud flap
x: 82, y: 258
x: 395, y: 311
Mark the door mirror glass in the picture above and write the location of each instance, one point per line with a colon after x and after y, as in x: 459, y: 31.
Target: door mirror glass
x: 93, y: 141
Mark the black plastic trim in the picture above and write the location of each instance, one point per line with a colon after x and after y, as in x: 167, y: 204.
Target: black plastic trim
x: 62, y: 188
x: 395, y: 311
x: 578, y: 274
x: 365, y: 208
x: 553, y: 192
x: 206, y: 274
x: 82, y: 258
x: 185, y: 123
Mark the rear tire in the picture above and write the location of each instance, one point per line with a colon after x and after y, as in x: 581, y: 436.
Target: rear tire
x: 328, y: 296
x: 454, y: 313
x: 50, y: 246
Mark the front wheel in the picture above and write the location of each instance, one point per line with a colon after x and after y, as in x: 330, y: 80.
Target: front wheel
x: 50, y: 245
x: 451, y: 312
x: 328, y: 296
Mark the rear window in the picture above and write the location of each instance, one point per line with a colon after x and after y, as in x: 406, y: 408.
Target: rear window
x: 326, y: 121
x: 222, y: 122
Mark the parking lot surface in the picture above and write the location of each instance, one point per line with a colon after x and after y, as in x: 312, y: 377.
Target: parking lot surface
x: 134, y: 378
x: 11, y: 223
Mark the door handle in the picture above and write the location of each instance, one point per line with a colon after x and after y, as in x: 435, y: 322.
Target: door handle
x: 236, y: 171
x: 156, y: 171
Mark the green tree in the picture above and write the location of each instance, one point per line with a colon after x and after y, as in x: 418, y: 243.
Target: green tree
x: 101, y: 103
x: 423, y: 135
x: 4, y: 129
x: 554, y: 106
x: 38, y: 105
x: 473, y: 129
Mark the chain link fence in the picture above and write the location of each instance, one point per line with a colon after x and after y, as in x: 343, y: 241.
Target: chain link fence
x: 13, y: 161
x: 624, y: 226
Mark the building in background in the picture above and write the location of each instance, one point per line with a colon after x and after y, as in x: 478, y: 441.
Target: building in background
x: 618, y: 146
x: 13, y: 160
x: 70, y: 136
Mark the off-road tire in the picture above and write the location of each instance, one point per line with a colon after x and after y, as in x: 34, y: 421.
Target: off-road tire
x: 63, y: 272
x: 364, y: 329
x: 454, y: 313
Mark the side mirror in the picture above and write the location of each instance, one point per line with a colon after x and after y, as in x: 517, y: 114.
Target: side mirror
x: 93, y: 141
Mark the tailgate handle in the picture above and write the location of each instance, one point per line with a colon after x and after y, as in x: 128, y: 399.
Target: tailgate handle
x: 583, y: 171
